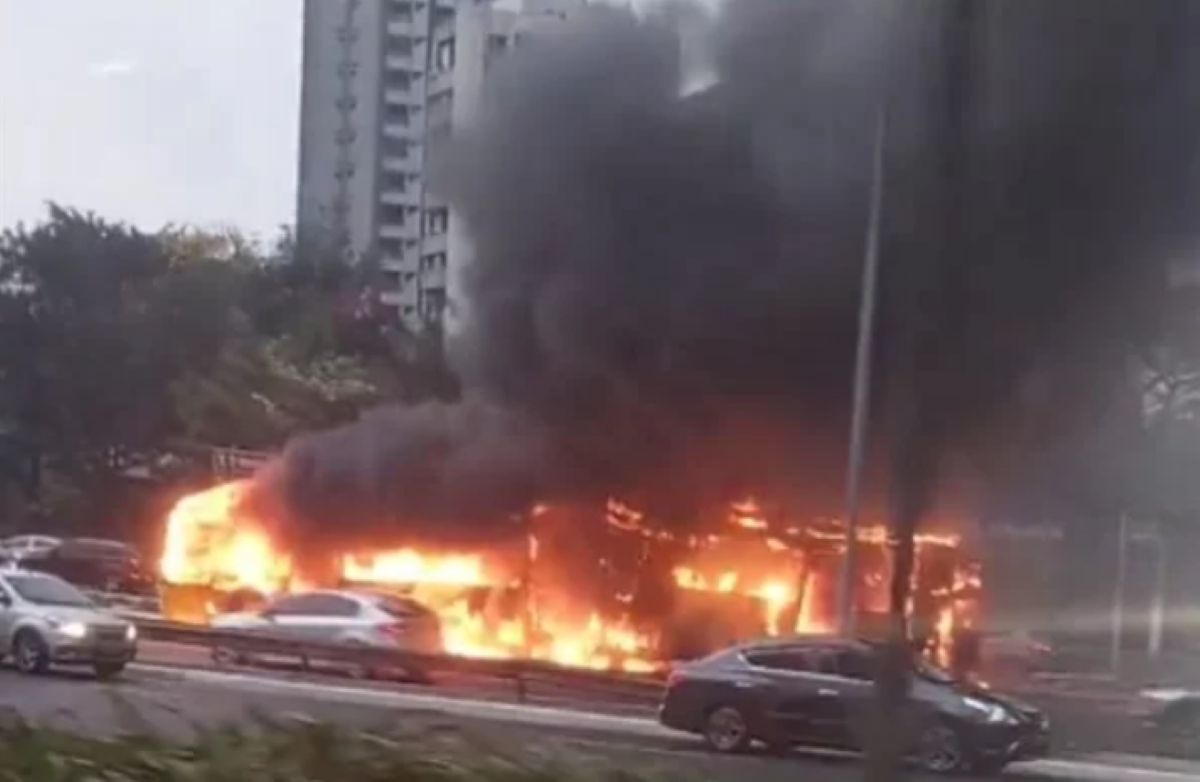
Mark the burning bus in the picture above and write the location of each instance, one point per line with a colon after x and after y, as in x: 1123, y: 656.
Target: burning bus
x: 603, y: 588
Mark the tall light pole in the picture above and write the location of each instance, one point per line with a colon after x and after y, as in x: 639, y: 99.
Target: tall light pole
x: 1118, y: 598
x: 860, y: 411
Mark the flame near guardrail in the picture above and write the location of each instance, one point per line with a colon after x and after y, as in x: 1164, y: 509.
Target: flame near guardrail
x: 522, y: 674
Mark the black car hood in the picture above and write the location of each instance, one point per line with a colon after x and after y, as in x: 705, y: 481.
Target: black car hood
x: 1013, y: 705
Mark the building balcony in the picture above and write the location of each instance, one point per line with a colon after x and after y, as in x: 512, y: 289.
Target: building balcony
x: 401, y: 197
x: 409, y: 164
x: 405, y: 131
x: 402, y: 62
x: 407, y: 96
x: 407, y: 26
x: 397, y: 231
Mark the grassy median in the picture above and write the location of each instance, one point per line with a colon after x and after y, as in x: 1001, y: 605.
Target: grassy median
x: 291, y: 750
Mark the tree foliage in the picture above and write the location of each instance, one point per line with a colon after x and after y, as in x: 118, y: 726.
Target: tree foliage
x: 116, y: 342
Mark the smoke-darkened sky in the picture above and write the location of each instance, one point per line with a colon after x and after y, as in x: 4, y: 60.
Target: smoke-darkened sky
x: 663, y: 295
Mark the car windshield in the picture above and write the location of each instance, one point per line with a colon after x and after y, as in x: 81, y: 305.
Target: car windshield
x: 48, y: 591
x: 399, y: 607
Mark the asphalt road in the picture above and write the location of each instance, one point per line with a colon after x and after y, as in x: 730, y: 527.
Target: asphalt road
x: 180, y: 702
x: 1085, y: 721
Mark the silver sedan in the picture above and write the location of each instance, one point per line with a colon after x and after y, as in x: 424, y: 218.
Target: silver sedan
x: 361, y: 618
x: 46, y: 621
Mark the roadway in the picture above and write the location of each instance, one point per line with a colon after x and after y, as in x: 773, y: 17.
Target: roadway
x: 177, y: 702
x: 1085, y: 722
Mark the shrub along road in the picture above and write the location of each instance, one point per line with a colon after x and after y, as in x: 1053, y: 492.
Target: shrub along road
x: 178, y: 704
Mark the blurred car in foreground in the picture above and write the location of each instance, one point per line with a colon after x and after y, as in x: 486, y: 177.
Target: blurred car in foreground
x: 1172, y: 718
x: 355, y: 618
x: 45, y: 621
x: 818, y: 692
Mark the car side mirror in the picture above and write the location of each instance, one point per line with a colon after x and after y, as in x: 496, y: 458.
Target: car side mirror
x: 5, y: 601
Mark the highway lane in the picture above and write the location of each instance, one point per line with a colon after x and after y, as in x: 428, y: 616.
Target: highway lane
x: 180, y: 702
x: 1083, y: 723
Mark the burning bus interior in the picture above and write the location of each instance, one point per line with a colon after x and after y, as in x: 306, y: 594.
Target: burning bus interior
x: 603, y: 587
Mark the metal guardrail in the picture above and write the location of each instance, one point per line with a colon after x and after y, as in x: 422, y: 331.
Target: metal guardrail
x: 523, y: 675
x: 121, y: 602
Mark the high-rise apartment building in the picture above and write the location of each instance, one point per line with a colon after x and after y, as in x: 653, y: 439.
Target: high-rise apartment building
x: 383, y: 82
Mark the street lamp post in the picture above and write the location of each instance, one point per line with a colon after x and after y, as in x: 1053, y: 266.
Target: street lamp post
x: 860, y: 412
x: 1118, y: 598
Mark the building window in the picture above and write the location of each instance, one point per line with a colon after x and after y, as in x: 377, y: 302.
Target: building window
x: 400, y: 47
x: 434, y: 302
x: 398, y: 148
x: 437, y: 221
x: 394, y: 181
x: 398, y: 113
x: 443, y: 56
x: 392, y: 215
x: 398, y: 80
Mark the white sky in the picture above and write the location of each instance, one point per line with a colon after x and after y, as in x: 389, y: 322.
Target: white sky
x: 151, y: 111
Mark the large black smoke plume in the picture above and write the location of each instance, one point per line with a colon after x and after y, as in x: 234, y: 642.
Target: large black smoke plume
x: 662, y: 298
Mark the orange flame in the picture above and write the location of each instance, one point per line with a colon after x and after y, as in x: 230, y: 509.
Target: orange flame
x: 213, y: 541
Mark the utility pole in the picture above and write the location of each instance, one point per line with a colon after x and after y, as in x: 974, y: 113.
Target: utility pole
x: 1154, y: 638
x: 860, y: 412
x: 929, y: 317
x: 1118, y: 600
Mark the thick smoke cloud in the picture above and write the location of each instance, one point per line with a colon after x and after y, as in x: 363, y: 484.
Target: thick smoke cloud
x: 662, y: 299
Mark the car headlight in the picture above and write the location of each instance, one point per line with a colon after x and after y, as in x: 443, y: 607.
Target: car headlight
x: 72, y: 629
x: 131, y: 633
x: 987, y: 712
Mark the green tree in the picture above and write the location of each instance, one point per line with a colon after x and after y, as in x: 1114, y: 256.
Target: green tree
x: 83, y: 373
x: 114, y: 343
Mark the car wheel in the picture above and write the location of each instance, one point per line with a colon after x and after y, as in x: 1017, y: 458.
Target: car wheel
x: 106, y: 671
x: 940, y: 750
x: 366, y: 672
x: 30, y: 653
x: 726, y: 730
